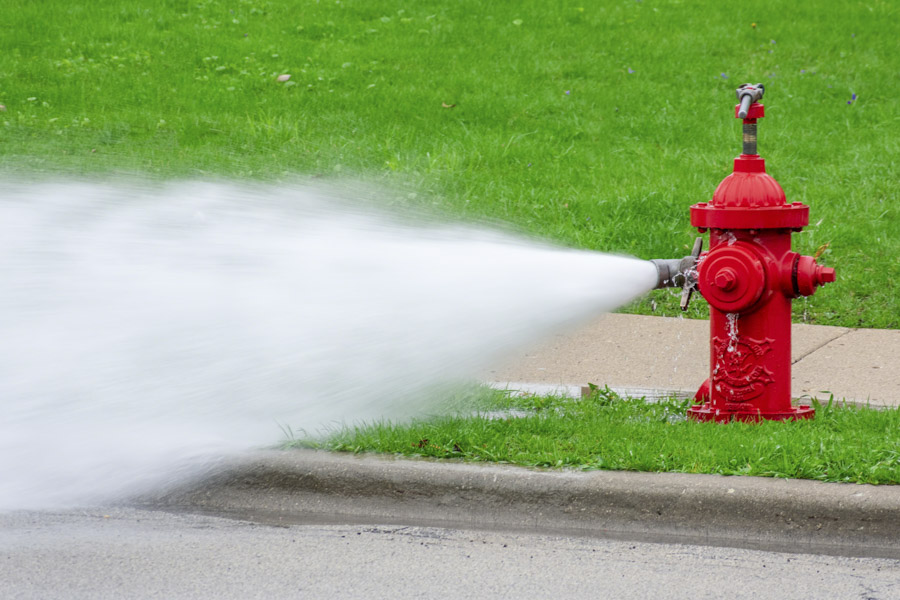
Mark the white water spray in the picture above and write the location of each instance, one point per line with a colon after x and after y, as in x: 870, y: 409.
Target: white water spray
x: 147, y: 329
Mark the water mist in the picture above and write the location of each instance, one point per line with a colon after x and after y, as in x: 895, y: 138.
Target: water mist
x: 145, y: 330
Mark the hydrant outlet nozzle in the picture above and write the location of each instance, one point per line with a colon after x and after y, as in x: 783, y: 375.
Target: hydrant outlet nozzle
x: 679, y: 272
x: 805, y: 275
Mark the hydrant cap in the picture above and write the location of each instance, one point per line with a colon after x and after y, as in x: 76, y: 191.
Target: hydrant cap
x: 732, y: 277
x: 748, y: 187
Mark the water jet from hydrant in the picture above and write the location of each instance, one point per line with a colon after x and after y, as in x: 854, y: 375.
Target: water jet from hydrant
x: 147, y: 329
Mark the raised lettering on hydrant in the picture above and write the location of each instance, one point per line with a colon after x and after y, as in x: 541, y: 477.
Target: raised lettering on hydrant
x: 749, y: 277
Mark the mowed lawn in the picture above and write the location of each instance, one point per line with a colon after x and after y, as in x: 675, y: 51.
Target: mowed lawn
x: 592, y: 124
x: 844, y: 443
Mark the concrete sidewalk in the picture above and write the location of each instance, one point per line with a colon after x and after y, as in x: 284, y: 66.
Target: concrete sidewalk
x: 642, y: 355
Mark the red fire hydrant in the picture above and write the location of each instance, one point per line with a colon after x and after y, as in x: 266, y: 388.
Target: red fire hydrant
x: 749, y: 277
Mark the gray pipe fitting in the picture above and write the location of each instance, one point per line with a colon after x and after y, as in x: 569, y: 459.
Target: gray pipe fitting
x: 669, y: 272
x: 679, y: 272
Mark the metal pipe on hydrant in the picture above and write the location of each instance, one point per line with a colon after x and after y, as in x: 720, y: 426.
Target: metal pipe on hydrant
x: 749, y: 277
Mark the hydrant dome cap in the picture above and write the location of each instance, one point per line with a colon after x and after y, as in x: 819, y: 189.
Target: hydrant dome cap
x: 748, y: 187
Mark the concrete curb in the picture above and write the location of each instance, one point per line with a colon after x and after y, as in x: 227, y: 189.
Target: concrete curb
x: 772, y: 514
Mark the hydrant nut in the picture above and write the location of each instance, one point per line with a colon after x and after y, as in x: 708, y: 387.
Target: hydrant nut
x: 825, y: 275
x: 725, y: 279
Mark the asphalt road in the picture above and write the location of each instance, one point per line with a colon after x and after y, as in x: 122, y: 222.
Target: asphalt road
x: 128, y: 553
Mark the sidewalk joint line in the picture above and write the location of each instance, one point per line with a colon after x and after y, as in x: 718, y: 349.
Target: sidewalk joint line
x: 820, y: 346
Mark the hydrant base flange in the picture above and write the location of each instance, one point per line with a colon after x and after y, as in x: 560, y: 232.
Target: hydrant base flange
x: 706, y: 412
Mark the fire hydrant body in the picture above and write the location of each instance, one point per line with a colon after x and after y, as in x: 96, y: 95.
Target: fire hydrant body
x: 749, y: 277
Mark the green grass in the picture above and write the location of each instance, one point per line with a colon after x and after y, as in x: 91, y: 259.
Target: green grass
x: 603, y: 431
x: 593, y: 124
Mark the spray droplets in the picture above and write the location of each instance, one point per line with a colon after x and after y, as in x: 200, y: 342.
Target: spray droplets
x: 732, y: 331
x: 151, y: 330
